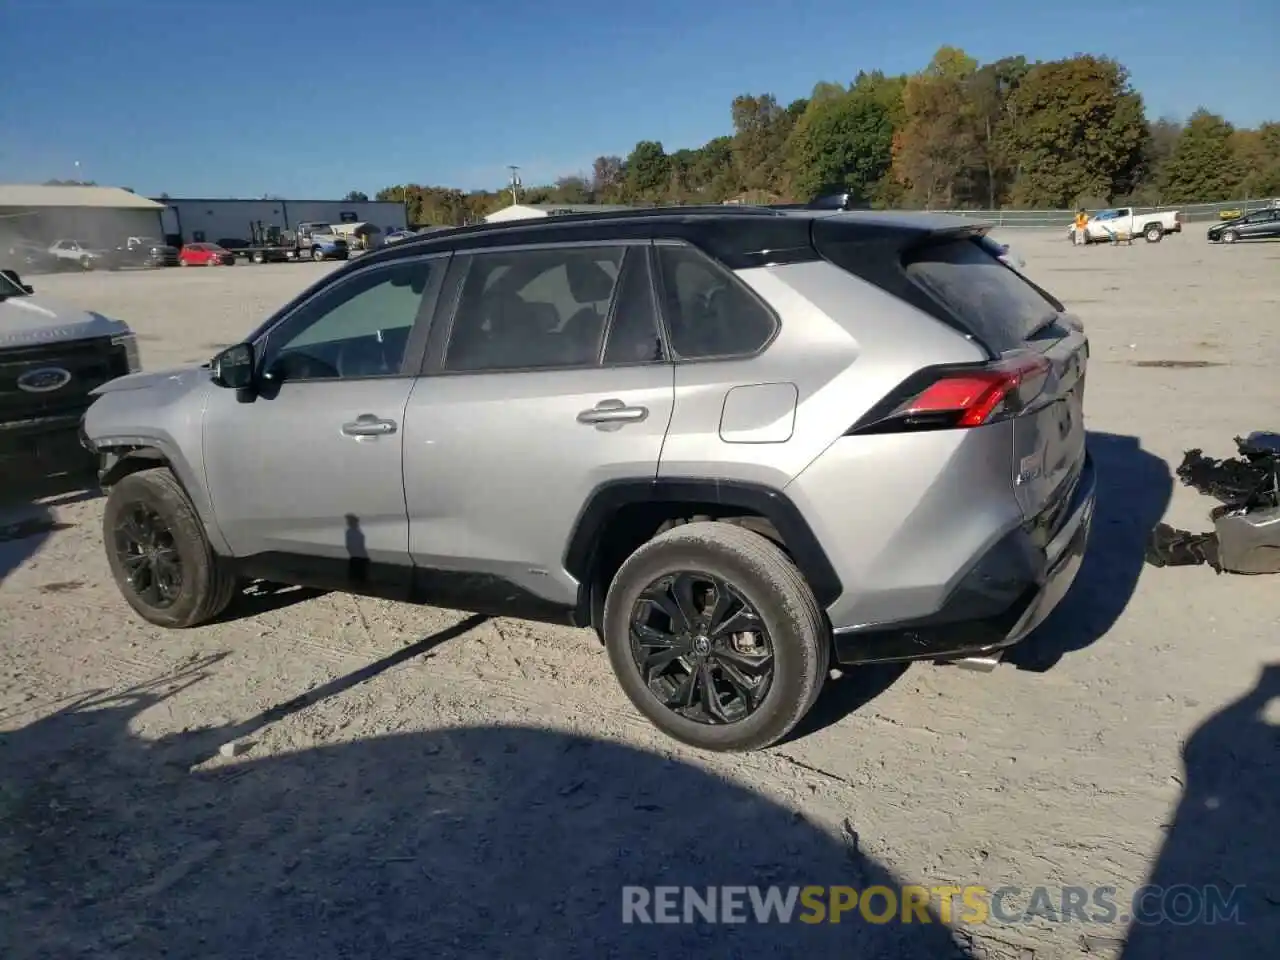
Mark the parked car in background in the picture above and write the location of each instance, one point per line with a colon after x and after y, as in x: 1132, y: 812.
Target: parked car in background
x: 69, y: 253
x: 28, y: 256
x: 395, y: 236
x: 1106, y: 224
x: 206, y: 255
x: 145, y: 252
x: 51, y: 356
x: 1259, y: 225
x: 737, y: 470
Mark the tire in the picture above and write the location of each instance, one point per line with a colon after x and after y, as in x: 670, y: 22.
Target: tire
x: 1230, y: 236
x: 86, y: 264
x: 760, y: 573
x: 206, y: 586
x: 1153, y: 233
x: 317, y: 254
x: 259, y: 257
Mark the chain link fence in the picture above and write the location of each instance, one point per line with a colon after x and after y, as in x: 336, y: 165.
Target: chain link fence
x: 1191, y: 213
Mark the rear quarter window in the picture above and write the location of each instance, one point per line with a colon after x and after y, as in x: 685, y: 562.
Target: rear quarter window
x: 995, y: 303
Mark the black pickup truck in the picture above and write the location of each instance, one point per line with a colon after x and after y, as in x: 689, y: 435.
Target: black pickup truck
x: 144, y: 252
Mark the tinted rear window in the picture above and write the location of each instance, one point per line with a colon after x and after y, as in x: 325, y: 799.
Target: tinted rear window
x: 992, y: 300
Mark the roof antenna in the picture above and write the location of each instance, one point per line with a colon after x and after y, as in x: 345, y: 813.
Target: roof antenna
x: 515, y: 183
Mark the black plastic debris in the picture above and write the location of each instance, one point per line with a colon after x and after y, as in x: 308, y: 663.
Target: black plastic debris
x: 1246, y: 534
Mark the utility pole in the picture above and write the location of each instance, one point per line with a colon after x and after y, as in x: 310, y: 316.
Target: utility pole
x: 515, y: 183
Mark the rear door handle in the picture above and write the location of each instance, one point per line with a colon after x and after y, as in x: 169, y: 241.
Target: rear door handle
x: 367, y: 425
x: 612, y: 414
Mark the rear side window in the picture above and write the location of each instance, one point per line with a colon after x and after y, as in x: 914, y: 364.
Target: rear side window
x: 991, y: 300
x: 708, y: 311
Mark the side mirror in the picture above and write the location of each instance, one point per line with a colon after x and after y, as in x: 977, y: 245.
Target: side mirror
x: 233, y: 367
x: 12, y: 277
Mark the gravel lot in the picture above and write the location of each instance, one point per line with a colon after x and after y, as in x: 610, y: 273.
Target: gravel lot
x: 408, y: 782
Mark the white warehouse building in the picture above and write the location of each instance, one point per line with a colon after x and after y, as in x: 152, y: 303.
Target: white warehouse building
x: 217, y: 221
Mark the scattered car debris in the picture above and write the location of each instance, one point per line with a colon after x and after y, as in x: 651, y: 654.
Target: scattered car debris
x: 1246, y: 534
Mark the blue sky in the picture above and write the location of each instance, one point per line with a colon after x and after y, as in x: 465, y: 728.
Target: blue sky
x: 157, y: 94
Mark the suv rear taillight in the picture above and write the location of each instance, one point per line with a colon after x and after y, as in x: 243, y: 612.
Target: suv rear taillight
x: 958, y: 397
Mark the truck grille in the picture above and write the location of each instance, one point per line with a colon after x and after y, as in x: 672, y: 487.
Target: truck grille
x: 90, y: 363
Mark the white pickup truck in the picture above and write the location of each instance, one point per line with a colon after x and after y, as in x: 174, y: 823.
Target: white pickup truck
x: 1123, y: 221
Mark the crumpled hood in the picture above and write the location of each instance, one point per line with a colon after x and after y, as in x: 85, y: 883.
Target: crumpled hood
x: 31, y: 321
x: 178, y: 379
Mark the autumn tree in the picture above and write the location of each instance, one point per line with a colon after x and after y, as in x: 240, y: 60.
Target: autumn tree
x: 607, y: 178
x: 1081, y: 132
x: 760, y: 130
x: 1257, y: 153
x: 961, y: 134
x: 937, y: 147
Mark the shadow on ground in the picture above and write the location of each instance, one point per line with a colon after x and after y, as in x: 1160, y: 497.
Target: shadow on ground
x: 1223, y: 848
x: 469, y: 842
x: 1134, y: 489
x: 27, y: 519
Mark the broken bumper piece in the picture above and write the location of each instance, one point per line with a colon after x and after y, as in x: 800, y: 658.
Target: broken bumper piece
x: 1246, y: 534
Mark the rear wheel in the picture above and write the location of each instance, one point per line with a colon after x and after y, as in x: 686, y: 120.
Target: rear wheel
x: 158, y: 553
x: 1154, y: 233
x: 259, y: 257
x: 715, y: 637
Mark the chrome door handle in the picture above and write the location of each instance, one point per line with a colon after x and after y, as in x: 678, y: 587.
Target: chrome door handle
x: 367, y: 425
x: 613, y: 412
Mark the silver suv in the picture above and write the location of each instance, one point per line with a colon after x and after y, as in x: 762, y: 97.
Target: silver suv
x: 740, y: 443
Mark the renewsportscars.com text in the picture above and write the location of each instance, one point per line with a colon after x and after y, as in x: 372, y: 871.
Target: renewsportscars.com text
x: 1182, y: 904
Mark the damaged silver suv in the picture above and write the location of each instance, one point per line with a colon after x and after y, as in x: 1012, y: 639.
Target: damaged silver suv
x: 740, y: 443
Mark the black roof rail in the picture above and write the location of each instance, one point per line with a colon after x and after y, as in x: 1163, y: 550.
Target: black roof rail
x: 631, y: 213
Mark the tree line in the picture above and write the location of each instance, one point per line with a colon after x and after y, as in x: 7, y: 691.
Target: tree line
x: 1010, y: 134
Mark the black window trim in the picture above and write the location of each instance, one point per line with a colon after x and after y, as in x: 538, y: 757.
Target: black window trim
x: 415, y: 346
x: 659, y: 281
x: 447, y: 309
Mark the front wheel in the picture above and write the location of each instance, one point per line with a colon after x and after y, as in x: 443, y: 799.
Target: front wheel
x: 1230, y: 236
x: 159, y: 555
x: 317, y: 255
x: 716, y: 637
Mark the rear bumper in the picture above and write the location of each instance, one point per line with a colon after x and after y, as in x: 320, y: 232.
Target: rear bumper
x: 1010, y: 591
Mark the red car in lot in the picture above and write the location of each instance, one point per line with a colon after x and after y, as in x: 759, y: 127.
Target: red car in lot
x: 205, y: 255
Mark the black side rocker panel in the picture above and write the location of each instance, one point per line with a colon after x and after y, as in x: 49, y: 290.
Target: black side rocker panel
x: 771, y: 504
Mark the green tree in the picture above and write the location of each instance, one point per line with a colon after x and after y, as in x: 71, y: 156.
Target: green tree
x: 990, y: 90
x: 1203, y: 166
x: 648, y: 172
x: 843, y: 142
x: 356, y: 196
x: 1080, y: 132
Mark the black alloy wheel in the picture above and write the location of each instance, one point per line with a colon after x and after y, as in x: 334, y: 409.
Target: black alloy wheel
x: 147, y: 551
x: 701, y: 648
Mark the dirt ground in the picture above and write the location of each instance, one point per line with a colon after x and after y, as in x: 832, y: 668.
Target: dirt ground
x: 324, y: 776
